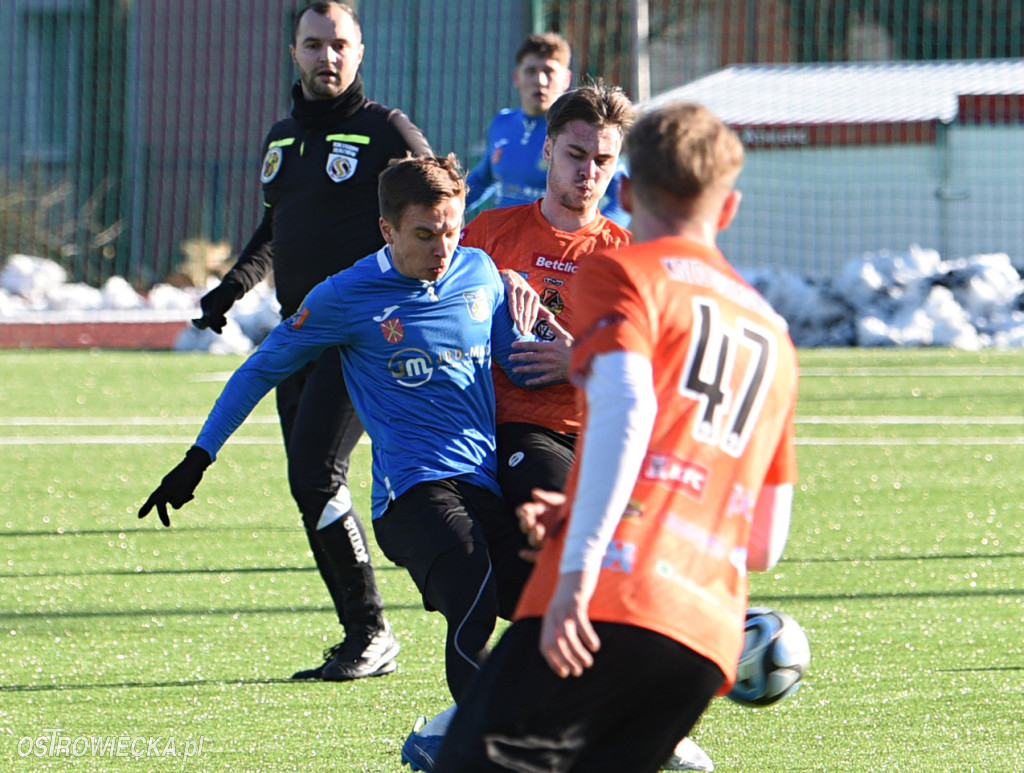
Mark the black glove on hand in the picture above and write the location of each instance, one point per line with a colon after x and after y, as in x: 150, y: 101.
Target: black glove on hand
x: 215, y: 305
x: 179, y: 485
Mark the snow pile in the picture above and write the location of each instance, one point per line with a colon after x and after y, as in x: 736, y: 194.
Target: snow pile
x: 32, y: 279
x: 903, y: 299
x: 911, y: 298
x: 30, y: 286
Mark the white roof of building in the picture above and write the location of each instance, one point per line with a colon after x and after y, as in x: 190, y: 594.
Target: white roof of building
x: 847, y: 93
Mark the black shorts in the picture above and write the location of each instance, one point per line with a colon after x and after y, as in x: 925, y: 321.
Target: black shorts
x: 531, y: 456
x: 627, y: 712
x: 432, y: 518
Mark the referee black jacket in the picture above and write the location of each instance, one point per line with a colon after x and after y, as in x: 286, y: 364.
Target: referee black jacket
x: 319, y: 176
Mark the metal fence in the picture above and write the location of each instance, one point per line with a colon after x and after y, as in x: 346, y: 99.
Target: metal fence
x: 134, y: 126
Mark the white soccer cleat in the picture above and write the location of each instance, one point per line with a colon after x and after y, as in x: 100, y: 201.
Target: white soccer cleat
x: 419, y: 751
x: 688, y: 756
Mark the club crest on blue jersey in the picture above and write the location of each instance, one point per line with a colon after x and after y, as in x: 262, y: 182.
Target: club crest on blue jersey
x: 341, y: 167
x: 479, y: 308
x: 271, y: 165
x: 392, y: 330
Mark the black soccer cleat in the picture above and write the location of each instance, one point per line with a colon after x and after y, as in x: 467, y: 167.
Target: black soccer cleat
x: 318, y: 672
x: 371, y: 653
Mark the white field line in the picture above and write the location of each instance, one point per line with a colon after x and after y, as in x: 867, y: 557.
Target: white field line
x: 919, y: 441
x: 912, y: 420
x: 119, y: 421
x: 152, y: 421
x: 168, y: 421
x: 896, y: 371
x: 127, y: 440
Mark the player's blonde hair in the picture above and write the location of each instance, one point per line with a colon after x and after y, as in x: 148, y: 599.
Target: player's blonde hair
x: 681, y: 151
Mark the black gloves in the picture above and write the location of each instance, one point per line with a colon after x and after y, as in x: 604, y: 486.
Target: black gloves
x: 215, y: 305
x: 179, y: 485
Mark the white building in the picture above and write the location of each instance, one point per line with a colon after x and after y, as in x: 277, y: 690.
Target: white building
x: 846, y: 159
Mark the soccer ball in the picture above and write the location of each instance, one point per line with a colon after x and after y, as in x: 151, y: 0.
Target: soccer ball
x: 775, y: 656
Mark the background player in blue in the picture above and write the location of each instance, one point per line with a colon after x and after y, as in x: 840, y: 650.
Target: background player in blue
x: 416, y: 325
x: 512, y: 170
x: 319, y: 180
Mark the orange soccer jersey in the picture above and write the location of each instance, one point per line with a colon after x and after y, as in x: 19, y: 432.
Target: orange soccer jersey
x: 725, y: 376
x: 520, y: 239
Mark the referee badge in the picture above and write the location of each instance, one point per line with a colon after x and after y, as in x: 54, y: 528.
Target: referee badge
x: 341, y: 167
x: 271, y: 165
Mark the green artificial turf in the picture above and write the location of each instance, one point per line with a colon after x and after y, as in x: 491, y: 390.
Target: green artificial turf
x: 905, y: 565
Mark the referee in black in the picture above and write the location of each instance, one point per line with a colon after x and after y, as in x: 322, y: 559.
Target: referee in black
x: 319, y: 178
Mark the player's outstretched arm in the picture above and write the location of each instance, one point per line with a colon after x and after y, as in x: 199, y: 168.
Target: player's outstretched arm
x: 179, y: 485
x: 294, y: 342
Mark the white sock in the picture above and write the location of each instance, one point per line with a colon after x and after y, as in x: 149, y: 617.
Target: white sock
x: 439, y: 724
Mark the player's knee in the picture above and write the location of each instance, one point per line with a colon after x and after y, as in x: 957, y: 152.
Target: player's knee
x: 462, y: 587
x: 337, y: 507
x: 321, y: 509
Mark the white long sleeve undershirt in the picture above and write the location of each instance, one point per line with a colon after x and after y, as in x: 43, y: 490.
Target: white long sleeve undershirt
x: 621, y: 407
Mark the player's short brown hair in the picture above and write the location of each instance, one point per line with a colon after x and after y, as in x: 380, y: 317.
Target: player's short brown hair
x: 594, y: 103
x: 681, y: 150
x: 321, y: 7
x: 547, y: 45
x: 426, y: 180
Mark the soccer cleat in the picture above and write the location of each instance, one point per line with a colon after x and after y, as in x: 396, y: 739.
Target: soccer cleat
x: 318, y: 672
x: 370, y: 654
x: 688, y: 756
x: 419, y: 751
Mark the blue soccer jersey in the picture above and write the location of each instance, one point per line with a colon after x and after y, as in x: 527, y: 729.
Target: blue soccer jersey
x: 513, y: 170
x: 417, y: 362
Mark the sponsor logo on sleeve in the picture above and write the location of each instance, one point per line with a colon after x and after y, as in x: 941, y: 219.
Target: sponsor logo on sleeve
x: 298, y: 319
x: 619, y: 557
x: 271, y: 164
